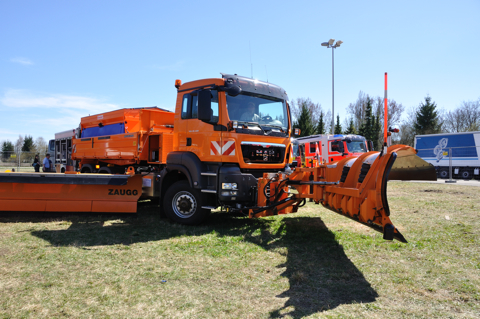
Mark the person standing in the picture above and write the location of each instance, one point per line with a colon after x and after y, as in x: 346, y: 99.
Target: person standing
x: 36, y: 164
x: 47, y: 164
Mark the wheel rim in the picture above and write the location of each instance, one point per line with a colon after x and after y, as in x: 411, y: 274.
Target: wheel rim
x: 443, y: 173
x: 184, y: 204
x: 465, y: 174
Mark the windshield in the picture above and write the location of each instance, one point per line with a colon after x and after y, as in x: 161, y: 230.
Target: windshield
x: 268, y: 112
x: 356, y: 146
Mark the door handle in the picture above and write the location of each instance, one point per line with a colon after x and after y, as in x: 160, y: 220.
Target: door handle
x: 189, y: 141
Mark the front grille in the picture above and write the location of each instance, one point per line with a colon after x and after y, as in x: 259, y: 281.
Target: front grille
x: 263, y: 154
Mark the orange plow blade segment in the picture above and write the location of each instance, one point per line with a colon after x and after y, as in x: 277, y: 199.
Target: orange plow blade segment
x: 408, y: 166
x: 69, y: 192
x: 355, y: 187
x: 361, y: 194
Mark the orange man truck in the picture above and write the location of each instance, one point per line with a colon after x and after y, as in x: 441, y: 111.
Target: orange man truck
x: 228, y: 144
x: 208, y: 153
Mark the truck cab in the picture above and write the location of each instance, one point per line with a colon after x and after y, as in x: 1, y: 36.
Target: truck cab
x: 227, y: 133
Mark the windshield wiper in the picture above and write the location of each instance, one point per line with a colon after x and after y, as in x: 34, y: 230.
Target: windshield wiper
x: 275, y: 126
x: 256, y: 124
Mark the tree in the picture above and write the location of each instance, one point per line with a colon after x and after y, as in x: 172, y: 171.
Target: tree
x: 19, y: 144
x: 304, y: 122
x: 338, y: 127
x: 367, y: 127
x: 315, y: 109
x: 406, y: 135
x: 351, y: 128
x: 7, y: 149
x: 427, y: 120
x: 40, y: 146
x: 357, y: 109
x: 27, y: 144
x: 465, y: 118
x: 358, y: 112
x: 320, y: 129
x: 377, y: 138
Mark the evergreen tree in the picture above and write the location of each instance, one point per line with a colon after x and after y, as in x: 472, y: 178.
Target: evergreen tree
x: 7, y: 149
x: 427, y: 120
x: 304, y: 122
x: 351, y: 128
x: 338, y: 127
x: 321, y: 125
x: 376, y: 133
x: 367, y: 129
x: 27, y: 144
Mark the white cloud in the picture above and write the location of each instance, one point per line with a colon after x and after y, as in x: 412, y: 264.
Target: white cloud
x: 21, y: 60
x: 64, y: 103
x: 40, y: 114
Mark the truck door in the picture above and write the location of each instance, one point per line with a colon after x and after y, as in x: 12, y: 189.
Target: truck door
x: 335, y: 152
x: 197, y: 136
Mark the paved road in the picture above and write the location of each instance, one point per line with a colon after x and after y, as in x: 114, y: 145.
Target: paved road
x: 445, y: 181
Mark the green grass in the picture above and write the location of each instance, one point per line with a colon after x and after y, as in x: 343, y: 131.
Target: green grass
x: 310, y: 264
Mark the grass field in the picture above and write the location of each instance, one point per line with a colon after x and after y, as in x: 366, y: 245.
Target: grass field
x: 311, y: 264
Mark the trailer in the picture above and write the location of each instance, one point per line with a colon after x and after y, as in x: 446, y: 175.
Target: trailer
x: 229, y: 145
x: 60, y: 149
x: 458, y: 150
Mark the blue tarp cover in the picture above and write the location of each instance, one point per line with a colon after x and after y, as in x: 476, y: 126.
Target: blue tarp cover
x: 112, y: 129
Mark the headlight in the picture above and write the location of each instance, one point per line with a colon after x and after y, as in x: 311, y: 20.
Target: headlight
x: 229, y: 185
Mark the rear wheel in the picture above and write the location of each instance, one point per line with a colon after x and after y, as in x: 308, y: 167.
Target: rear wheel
x: 87, y: 168
x: 183, y: 204
x: 466, y: 174
x: 443, y: 173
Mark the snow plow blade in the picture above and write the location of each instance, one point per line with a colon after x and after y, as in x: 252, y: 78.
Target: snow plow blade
x: 51, y: 192
x: 355, y: 187
x: 409, y: 167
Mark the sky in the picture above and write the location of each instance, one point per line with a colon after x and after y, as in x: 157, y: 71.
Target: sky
x: 62, y: 60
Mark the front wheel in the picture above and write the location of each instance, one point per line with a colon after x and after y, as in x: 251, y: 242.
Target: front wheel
x: 183, y: 204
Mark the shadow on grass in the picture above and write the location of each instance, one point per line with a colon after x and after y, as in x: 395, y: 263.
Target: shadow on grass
x: 321, y: 276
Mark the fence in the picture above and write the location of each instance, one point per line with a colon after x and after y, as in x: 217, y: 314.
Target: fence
x: 461, y: 162
x: 20, y: 161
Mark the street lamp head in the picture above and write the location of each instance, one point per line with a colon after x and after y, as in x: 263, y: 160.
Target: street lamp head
x: 331, y: 41
x: 325, y: 44
x: 338, y: 43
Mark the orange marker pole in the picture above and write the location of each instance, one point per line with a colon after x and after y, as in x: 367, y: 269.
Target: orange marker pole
x: 385, y: 121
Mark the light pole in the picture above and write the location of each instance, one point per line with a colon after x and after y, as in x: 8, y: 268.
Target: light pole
x: 329, y: 45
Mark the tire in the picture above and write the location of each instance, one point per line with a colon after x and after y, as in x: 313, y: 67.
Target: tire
x: 86, y: 169
x: 466, y: 174
x: 105, y: 170
x: 443, y: 173
x: 183, y: 204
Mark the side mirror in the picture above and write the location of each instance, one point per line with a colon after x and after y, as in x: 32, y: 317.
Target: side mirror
x: 204, y: 105
x: 296, y: 132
